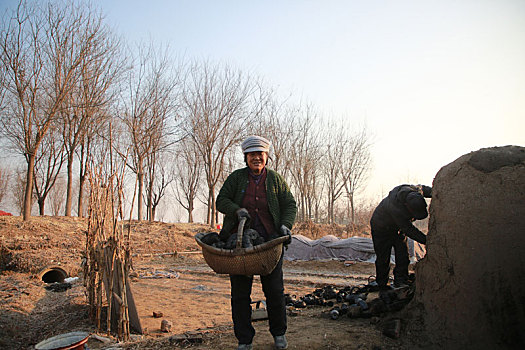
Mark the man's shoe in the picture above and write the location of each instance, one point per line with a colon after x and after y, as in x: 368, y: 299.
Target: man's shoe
x: 280, y: 342
x: 244, y: 347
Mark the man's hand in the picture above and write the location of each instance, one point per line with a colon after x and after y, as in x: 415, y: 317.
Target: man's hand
x: 285, y: 231
x: 243, y: 213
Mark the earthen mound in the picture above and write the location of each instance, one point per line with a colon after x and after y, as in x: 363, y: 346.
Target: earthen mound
x: 470, y: 286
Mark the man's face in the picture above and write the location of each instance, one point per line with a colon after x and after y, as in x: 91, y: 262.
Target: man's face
x: 256, y: 161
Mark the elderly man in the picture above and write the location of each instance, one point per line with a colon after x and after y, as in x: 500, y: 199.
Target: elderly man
x: 391, y: 223
x: 261, y: 195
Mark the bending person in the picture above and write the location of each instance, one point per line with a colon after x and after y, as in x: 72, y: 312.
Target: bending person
x: 391, y: 223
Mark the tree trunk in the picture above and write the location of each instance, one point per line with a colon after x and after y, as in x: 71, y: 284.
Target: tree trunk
x: 81, y: 181
x: 303, y: 204
x: 41, y: 204
x: 330, y: 210
x: 309, y: 208
x: 212, y: 207
x: 69, y: 191
x: 352, y: 208
x: 151, y: 209
x: 190, y: 213
x: 29, y: 187
x: 140, y: 175
x: 208, y: 220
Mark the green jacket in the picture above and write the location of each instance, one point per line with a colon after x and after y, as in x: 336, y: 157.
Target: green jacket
x: 281, y: 202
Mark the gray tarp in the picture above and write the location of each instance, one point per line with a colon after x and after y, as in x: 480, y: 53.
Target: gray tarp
x: 331, y: 247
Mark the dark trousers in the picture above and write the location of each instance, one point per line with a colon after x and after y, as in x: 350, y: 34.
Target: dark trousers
x: 383, y: 243
x: 273, y: 288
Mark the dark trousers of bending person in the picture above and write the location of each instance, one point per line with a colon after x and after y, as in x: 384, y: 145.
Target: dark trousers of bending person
x: 273, y: 289
x: 383, y: 244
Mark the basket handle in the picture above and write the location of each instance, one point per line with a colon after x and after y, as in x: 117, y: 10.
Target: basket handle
x: 240, y: 231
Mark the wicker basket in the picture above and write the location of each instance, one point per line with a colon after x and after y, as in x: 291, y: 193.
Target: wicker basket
x: 257, y: 260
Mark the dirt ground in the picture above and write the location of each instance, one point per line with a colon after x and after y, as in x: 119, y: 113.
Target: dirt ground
x: 181, y: 286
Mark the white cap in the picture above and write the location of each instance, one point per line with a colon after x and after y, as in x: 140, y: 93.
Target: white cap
x: 255, y: 144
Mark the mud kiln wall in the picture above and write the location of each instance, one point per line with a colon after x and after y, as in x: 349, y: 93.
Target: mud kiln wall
x: 471, y: 284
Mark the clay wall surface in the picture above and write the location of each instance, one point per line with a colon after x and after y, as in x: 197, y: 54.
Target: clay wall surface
x: 471, y: 284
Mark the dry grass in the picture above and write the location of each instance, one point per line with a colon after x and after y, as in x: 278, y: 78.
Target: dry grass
x: 31, y: 246
x: 316, y: 231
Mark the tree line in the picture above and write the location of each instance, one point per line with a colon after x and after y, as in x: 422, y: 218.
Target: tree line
x: 71, y: 90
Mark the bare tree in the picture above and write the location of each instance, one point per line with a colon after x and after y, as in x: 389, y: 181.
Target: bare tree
x: 356, y: 165
x: 217, y: 108
x: 17, y: 191
x: 159, y: 176
x: 3, y: 81
x: 305, y: 167
x: 136, y: 119
x: 18, y: 187
x: 148, y: 108
x: 334, y: 151
x: 4, y: 182
x: 93, y: 139
x: 47, y: 168
x: 188, y: 175
x: 41, y: 49
x: 84, y: 155
x: 57, y: 195
x: 159, y: 173
x: 88, y: 101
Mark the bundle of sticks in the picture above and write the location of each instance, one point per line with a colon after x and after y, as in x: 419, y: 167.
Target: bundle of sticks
x: 107, y: 254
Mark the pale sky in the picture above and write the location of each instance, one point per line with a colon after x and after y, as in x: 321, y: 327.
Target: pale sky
x: 432, y: 80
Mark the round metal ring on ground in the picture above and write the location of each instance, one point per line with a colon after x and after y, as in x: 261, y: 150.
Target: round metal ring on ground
x: 51, y: 274
x: 72, y: 340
